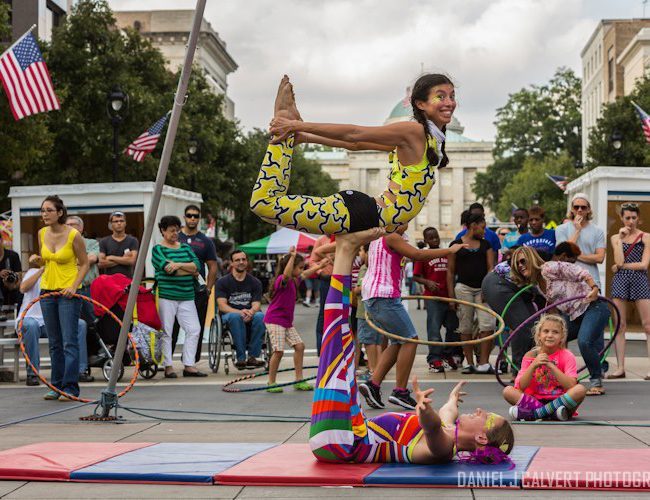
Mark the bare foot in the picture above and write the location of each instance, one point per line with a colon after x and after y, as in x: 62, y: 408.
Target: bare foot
x: 280, y: 98
x: 361, y: 237
x: 293, y: 109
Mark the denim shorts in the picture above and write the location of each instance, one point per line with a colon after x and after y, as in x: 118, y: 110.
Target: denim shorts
x: 391, y: 315
x: 366, y: 334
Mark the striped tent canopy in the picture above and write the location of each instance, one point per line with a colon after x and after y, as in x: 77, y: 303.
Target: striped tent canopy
x: 279, y: 242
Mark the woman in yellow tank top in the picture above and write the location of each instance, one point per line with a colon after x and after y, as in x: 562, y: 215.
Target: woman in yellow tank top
x: 417, y: 150
x: 63, y: 254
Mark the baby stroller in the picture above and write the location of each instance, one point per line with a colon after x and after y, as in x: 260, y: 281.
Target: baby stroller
x: 112, y: 291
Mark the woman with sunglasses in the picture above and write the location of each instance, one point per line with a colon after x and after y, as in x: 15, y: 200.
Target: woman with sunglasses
x: 630, y: 284
x: 417, y: 150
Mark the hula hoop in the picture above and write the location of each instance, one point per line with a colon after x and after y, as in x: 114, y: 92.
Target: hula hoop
x: 499, y: 319
x: 546, y: 309
x: 227, y: 388
x: 19, y: 332
x: 507, y: 357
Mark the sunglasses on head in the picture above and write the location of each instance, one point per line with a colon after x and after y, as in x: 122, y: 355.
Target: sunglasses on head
x: 192, y: 216
x: 630, y: 206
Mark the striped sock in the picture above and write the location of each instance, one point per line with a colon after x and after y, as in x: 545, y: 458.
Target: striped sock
x: 549, y: 409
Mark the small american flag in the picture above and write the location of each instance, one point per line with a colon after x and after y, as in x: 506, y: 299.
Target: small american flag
x: 26, y: 79
x: 645, y: 121
x: 559, y: 180
x: 146, y: 142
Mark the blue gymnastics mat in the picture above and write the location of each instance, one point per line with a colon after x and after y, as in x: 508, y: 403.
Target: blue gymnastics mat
x: 457, y: 473
x: 171, y: 462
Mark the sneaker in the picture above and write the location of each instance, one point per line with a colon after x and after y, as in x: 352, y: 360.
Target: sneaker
x: 32, y: 380
x: 403, y: 399
x: 306, y: 304
x: 240, y: 365
x: 303, y: 386
x: 458, y: 360
x: 372, y: 394
x: 51, y: 396
x: 274, y: 390
x: 468, y: 370
x: 85, y: 377
x: 484, y: 369
x: 252, y: 362
x: 503, y: 367
x: 561, y: 413
x: 521, y: 413
x: 436, y: 367
x: 65, y: 399
x: 450, y: 363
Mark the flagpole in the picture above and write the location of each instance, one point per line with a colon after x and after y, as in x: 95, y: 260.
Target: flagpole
x: 18, y: 41
x: 109, y: 399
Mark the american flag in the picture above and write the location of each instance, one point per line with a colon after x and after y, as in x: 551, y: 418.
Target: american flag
x: 559, y: 180
x: 146, y: 142
x: 645, y: 121
x: 26, y: 79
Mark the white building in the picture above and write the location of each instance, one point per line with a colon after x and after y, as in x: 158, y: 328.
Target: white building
x: 367, y: 171
x: 168, y: 30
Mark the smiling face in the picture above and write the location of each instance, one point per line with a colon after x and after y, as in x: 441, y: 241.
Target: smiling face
x: 440, y: 104
x: 550, y: 335
x: 432, y: 238
x: 522, y: 265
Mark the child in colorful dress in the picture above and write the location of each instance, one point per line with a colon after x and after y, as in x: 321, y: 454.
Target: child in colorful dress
x: 279, y: 316
x: 547, y: 384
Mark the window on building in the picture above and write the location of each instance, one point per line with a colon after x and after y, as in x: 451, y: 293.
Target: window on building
x: 137, y: 25
x: 445, y: 214
x: 610, y: 70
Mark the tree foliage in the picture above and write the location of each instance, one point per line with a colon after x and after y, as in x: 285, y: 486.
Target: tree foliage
x: 536, y: 122
x: 88, y: 56
x: 621, y: 118
x: 531, y: 184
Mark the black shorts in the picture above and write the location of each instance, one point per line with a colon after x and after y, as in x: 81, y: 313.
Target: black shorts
x: 364, y: 213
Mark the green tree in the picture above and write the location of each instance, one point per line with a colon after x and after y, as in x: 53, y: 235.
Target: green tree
x: 535, y: 122
x: 621, y: 118
x: 307, y: 177
x: 531, y: 183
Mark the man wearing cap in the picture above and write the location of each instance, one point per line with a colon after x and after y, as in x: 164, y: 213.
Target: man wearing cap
x: 119, y: 251
x: 591, y: 241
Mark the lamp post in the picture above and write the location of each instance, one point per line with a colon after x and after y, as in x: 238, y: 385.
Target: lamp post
x: 616, y: 139
x: 117, y: 106
x: 193, y: 149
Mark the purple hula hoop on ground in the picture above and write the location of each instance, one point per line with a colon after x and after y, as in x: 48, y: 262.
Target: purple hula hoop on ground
x: 548, y: 308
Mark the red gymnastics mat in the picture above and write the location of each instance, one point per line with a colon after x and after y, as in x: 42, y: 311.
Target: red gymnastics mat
x: 55, y: 461
x: 589, y: 469
x: 293, y: 465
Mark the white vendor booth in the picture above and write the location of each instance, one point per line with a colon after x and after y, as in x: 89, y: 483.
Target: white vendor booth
x: 94, y: 203
x: 608, y: 188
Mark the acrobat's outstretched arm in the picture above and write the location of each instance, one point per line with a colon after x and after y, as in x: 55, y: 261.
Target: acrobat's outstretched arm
x: 307, y: 138
x: 449, y: 411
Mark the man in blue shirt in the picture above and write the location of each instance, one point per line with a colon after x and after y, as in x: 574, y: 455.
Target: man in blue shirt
x: 205, y: 251
x: 542, y: 240
x: 520, y: 218
x: 490, y: 236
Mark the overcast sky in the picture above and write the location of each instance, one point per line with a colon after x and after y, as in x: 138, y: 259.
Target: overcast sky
x: 351, y: 60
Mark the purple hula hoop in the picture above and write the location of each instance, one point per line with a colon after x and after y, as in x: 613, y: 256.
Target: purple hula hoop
x: 548, y: 308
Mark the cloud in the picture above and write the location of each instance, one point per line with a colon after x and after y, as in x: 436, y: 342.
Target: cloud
x: 351, y: 61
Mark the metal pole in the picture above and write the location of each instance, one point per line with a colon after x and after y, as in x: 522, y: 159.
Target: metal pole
x: 116, y: 145
x: 109, y: 398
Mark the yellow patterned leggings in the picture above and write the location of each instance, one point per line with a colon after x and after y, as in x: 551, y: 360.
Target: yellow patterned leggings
x: 329, y: 214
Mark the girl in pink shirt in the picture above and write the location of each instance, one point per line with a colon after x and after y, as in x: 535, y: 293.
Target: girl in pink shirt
x: 279, y: 316
x: 547, y: 384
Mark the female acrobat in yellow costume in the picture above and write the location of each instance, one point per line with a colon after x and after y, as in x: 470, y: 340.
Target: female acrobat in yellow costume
x: 417, y: 149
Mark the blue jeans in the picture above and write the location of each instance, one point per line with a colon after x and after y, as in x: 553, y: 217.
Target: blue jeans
x: 61, y: 317
x: 391, y: 315
x: 588, y: 329
x: 239, y: 331
x: 32, y: 331
x: 324, y: 288
x: 439, y: 314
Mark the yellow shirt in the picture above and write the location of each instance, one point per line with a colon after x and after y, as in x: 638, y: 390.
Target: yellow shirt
x: 397, y: 169
x: 60, y: 266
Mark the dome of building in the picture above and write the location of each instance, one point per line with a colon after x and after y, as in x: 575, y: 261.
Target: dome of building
x: 402, y: 112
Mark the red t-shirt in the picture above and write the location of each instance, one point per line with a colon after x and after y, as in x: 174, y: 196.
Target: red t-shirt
x: 434, y: 270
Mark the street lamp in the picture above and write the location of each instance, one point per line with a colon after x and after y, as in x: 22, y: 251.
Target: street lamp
x: 117, y: 106
x: 616, y: 139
